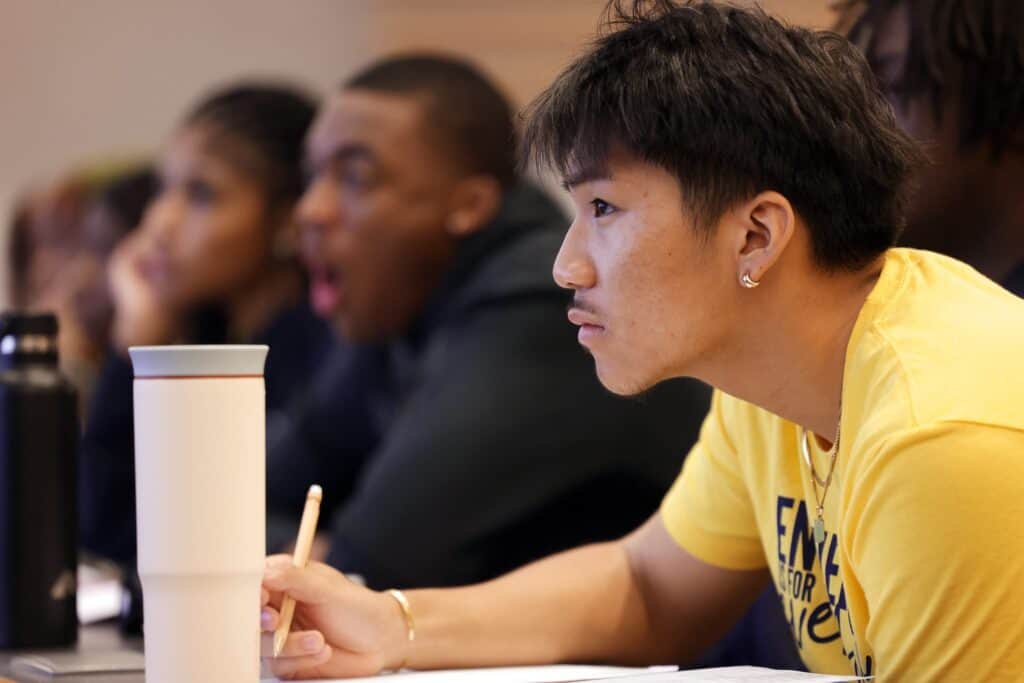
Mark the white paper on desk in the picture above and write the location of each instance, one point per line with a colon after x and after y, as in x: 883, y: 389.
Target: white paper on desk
x: 736, y: 674
x: 512, y: 674
x: 99, y: 593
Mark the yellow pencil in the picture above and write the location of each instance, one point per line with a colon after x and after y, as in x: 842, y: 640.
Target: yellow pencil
x: 307, y: 529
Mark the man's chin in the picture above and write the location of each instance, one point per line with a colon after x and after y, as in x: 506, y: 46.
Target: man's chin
x: 359, y: 330
x: 621, y: 383
x: 344, y: 326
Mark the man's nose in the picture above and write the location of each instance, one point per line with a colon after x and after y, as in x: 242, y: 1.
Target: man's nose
x: 573, y: 268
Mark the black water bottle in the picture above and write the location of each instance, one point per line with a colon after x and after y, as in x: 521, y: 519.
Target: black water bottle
x: 38, y: 516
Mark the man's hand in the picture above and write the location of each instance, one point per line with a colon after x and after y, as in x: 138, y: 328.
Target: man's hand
x: 339, y: 629
x: 642, y: 600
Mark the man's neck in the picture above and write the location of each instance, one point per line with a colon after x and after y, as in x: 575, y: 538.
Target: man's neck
x: 791, y: 356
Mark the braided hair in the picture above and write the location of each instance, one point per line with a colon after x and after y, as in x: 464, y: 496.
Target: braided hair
x: 270, y: 122
x: 970, y: 52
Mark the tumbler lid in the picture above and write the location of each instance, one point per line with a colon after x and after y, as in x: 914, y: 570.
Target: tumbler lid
x: 224, y: 360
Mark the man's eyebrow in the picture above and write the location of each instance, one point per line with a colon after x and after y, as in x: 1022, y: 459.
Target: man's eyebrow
x: 341, y: 154
x: 585, y: 176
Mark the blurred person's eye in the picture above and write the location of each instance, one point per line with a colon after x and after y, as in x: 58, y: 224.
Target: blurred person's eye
x: 889, y: 71
x: 602, y: 208
x: 354, y: 174
x: 200, y: 192
x: 356, y: 178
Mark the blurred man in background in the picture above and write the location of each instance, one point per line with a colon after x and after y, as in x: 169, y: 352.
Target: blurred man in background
x: 954, y: 73
x: 465, y: 433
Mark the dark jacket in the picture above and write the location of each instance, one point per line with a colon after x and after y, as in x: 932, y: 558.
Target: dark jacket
x: 482, y: 439
x: 1015, y: 280
x: 298, y: 342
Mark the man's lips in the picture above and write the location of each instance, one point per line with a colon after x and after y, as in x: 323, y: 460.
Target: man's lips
x: 582, y: 318
x: 590, y: 328
x: 325, y: 290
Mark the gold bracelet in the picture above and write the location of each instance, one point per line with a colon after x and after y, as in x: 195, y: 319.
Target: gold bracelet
x: 410, y: 625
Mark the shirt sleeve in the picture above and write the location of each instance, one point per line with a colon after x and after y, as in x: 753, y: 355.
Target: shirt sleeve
x: 106, y: 468
x: 934, y: 535
x: 325, y: 438
x: 709, y: 511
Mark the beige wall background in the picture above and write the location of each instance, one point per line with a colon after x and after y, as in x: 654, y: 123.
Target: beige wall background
x: 81, y: 80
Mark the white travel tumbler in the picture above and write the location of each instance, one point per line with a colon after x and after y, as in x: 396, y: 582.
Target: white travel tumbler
x: 200, y: 486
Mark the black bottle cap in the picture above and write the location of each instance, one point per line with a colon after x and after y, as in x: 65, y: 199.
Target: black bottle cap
x: 19, y: 324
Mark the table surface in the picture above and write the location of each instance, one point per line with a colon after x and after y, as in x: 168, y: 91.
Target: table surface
x: 93, y: 639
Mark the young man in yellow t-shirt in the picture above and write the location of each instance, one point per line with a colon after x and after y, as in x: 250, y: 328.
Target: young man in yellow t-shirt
x: 739, y: 185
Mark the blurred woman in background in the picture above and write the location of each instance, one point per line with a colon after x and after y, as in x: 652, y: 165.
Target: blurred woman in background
x: 211, y: 263
x: 62, y: 236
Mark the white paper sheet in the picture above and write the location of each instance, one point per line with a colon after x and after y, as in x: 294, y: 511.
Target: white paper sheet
x: 512, y: 674
x: 736, y: 674
x: 567, y: 673
x: 99, y: 593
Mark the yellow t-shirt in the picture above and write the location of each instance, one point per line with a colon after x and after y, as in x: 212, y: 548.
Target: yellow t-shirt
x: 921, y: 574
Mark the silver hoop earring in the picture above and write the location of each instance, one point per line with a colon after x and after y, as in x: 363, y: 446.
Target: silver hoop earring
x: 749, y: 282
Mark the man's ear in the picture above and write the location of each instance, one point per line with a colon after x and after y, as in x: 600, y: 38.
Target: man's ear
x: 764, y: 228
x: 474, y: 204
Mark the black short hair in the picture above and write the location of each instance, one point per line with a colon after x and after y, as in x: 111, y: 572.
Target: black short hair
x: 970, y: 52
x: 271, y: 120
x: 733, y: 102
x: 474, y: 118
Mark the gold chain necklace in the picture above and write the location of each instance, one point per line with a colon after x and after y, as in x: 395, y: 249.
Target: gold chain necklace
x: 819, y: 522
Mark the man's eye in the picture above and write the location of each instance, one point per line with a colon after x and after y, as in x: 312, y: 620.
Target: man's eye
x: 601, y: 208
x: 353, y: 174
x: 356, y: 178
x: 200, y: 193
